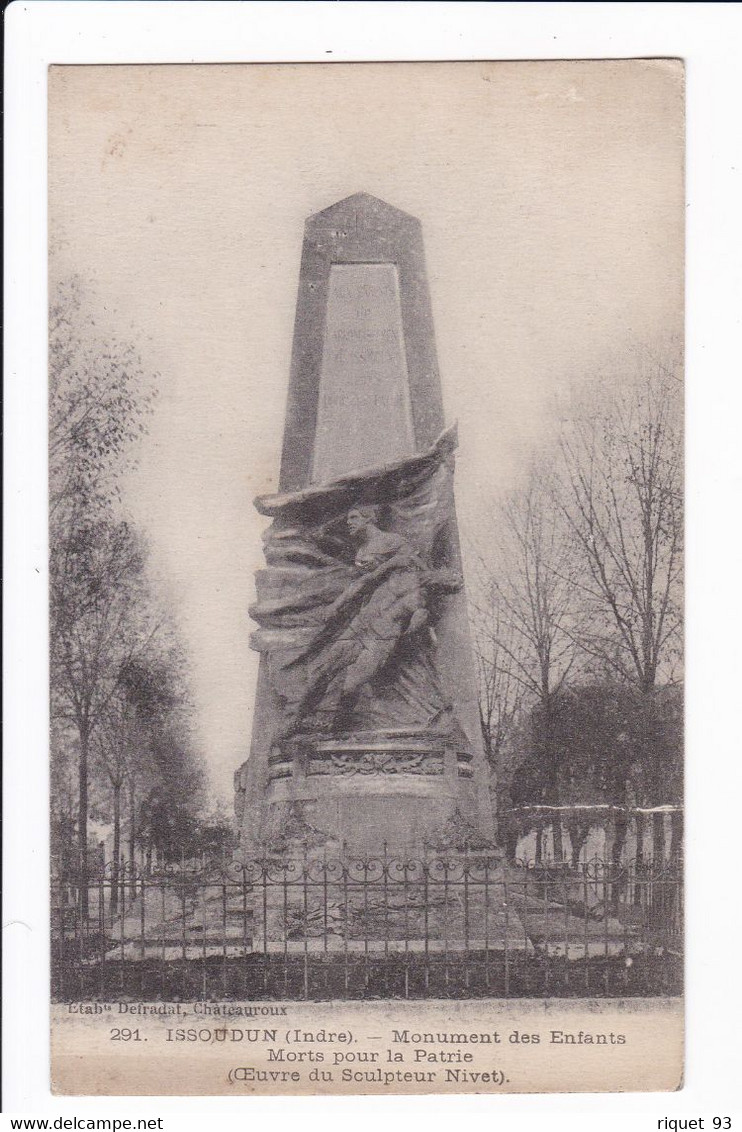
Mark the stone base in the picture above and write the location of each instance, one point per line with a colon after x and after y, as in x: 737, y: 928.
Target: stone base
x: 405, y: 788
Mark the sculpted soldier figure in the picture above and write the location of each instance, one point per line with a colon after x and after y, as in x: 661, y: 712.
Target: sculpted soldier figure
x: 372, y: 615
x: 352, y: 643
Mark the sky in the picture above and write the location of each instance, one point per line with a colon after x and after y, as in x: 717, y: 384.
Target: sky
x: 552, y: 205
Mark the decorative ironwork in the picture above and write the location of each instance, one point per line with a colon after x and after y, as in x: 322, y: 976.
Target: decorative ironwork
x: 439, y: 924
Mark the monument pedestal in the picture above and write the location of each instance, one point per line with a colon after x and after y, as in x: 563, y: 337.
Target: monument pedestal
x: 405, y: 788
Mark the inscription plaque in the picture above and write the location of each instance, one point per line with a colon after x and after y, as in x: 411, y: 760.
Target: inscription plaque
x: 363, y: 373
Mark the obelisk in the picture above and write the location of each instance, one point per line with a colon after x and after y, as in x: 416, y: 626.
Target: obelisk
x: 366, y: 726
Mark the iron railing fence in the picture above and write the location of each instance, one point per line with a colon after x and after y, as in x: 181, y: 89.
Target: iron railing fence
x: 462, y: 924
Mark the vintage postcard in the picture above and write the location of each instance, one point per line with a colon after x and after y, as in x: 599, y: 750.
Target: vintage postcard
x: 366, y: 519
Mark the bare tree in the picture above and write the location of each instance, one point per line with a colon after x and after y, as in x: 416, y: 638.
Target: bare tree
x: 158, y: 699
x: 103, y: 620
x: 624, y: 467
x: 526, y: 616
x: 98, y: 397
x: 623, y: 461
x: 500, y: 693
x: 534, y: 582
x: 63, y: 789
x: 115, y: 743
x: 584, y: 578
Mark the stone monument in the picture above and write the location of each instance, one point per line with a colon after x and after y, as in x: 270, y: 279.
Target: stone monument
x: 366, y: 726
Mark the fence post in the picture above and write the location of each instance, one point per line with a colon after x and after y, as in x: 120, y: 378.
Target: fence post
x: 426, y: 914
x: 466, y: 914
x: 305, y: 880
x: 556, y: 836
x: 122, y: 881
x: 658, y: 837
x: 676, y: 834
x: 264, y: 888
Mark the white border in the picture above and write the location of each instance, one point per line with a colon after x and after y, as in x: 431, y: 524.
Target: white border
x: 40, y: 32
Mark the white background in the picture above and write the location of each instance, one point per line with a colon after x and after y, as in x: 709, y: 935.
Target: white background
x: 709, y: 38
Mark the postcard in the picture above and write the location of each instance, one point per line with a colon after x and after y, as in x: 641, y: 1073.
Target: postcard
x: 366, y: 598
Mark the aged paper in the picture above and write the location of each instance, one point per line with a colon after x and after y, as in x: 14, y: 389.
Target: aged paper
x: 374, y: 785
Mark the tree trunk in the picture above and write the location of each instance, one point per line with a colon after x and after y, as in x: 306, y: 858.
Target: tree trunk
x: 578, y: 835
x: 639, y: 861
x: 539, y: 843
x: 658, y: 839
x: 82, y: 823
x: 116, y: 847
x: 556, y: 831
x: 619, y: 838
x: 511, y: 836
x: 639, y: 840
x: 549, y: 756
x: 676, y: 835
x: 618, y: 887
x: 609, y: 835
x: 133, y: 823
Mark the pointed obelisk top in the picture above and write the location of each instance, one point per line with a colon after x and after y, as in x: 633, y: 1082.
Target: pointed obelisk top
x: 360, y: 208
x: 364, y: 386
